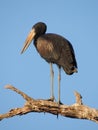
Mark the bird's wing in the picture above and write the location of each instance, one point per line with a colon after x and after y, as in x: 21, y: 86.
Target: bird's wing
x: 48, y: 48
x: 56, y: 49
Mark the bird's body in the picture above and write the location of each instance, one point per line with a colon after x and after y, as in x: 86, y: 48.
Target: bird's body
x: 54, y: 49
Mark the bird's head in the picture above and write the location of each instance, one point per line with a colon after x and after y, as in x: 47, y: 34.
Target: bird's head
x: 37, y: 30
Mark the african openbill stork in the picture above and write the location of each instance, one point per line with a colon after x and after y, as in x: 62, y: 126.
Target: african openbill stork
x: 55, y: 49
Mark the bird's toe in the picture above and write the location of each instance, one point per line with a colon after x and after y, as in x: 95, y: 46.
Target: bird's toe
x: 60, y: 103
x: 51, y: 99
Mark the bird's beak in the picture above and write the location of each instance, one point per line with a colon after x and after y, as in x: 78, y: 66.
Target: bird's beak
x: 29, y: 39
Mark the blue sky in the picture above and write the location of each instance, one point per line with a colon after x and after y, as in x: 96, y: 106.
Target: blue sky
x: 78, y: 22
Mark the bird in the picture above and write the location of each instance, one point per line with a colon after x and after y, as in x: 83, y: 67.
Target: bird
x: 55, y: 49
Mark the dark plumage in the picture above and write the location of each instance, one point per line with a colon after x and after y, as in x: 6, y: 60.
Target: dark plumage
x: 53, y: 48
x: 56, y: 49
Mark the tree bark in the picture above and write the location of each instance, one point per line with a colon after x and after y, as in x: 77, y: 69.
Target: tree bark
x: 77, y: 110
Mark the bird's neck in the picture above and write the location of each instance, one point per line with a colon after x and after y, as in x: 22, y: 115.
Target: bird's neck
x: 35, y: 42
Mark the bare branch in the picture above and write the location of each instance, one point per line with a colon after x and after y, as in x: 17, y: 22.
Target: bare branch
x: 77, y: 110
x: 25, y: 96
x: 78, y: 98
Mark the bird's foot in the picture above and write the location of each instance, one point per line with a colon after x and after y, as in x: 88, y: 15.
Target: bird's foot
x: 59, y: 103
x: 51, y: 99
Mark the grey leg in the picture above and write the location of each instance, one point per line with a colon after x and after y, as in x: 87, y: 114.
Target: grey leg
x: 59, y: 79
x: 52, y: 82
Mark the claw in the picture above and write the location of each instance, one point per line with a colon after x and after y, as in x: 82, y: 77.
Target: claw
x: 60, y: 103
x: 51, y: 99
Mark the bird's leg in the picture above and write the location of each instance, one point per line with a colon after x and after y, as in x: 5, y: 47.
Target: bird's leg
x: 59, y: 79
x: 52, y: 82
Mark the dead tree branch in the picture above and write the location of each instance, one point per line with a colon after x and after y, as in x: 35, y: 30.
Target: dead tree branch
x: 77, y: 110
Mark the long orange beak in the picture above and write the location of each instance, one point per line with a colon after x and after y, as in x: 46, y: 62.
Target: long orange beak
x: 29, y: 39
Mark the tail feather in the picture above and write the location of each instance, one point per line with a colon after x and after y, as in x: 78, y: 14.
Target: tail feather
x: 70, y: 71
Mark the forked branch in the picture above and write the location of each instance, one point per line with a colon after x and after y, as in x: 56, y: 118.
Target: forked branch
x: 77, y: 110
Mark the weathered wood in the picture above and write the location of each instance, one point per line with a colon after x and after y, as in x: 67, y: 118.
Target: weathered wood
x: 77, y: 110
